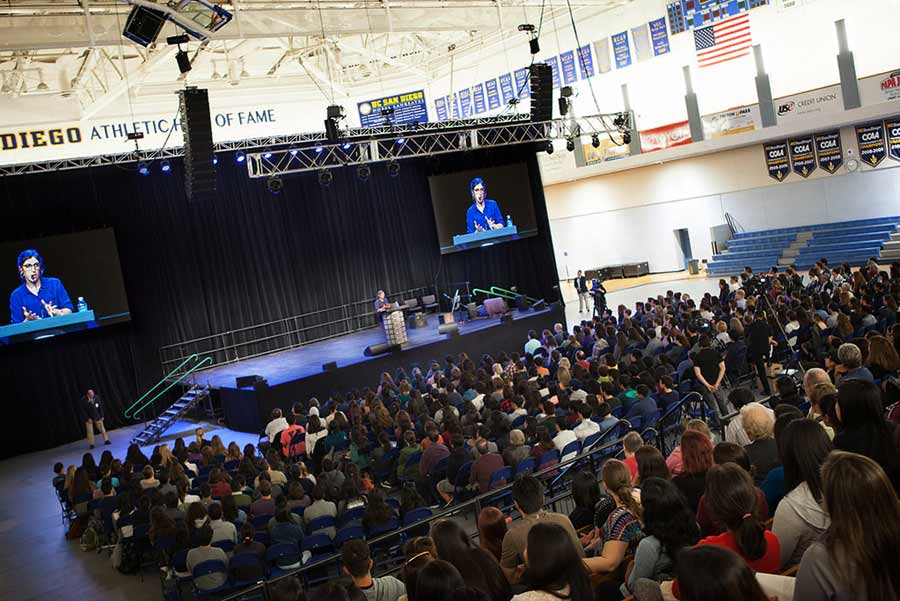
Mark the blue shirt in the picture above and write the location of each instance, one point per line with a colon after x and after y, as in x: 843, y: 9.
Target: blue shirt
x: 51, y: 291
x: 491, y: 211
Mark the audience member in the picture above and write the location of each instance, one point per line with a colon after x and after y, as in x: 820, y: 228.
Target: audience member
x: 630, y: 446
x: 553, y: 567
x: 491, y: 531
x: 696, y: 453
x: 438, y: 581
x: 710, y: 573
x: 475, y: 565
x: 762, y: 450
x: 618, y: 535
x: 358, y: 564
x: 206, y: 552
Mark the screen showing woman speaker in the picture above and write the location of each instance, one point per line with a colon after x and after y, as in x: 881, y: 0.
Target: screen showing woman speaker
x: 480, y: 207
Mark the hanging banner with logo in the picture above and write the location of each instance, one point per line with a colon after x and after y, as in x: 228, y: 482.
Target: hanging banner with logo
x: 493, y: 94
x: 803, y: 155
x: 440, y: 107
x: 554, y: 66
x: 398, y: 109
x: 567, y: 62
x: 506, y: 88
x: 585, y: 62
x: 621, y: 50
x: 777, y: 161
x: 523, y: 87
x: 659, y: 37
x: 604, y: 62
x: 667, y: 136
x: 465, y: 103
x: 880, y: 88
x: 453, y: 101
x: 478, y: 98
x: 815, y: 102
x: 829, y: 154
x: 732, y: 121
x: 870, y: 138
x: 641, y: 37
x: 892, y: 127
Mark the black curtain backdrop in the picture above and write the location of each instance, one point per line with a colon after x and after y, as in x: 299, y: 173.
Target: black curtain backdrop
x: 250, y: 257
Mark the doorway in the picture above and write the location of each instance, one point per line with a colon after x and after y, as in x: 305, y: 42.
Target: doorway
x: 683, y: 237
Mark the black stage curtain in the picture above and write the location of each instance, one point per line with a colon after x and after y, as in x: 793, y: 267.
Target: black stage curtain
x: 249, y: 257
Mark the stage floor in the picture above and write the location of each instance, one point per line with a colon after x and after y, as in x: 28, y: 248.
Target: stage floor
x: 307, y: 360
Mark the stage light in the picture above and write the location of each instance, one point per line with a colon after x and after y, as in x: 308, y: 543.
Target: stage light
x: 401, y: 140
x: 549, y: 147
x: 165, y: 167
x: 267, y: 154
x: 294, y: 152
x: 325, y: 178
x: 363, y: 172
x: 626, y: 138
x: 393, y: 169
x: 215, y: 160
x: 275, y: 185
x: 595, y: 141
x: 239, y: 156
x: 184, y: 61
x: 319, y: 149
x: 143, y: 168
x: 347, y: 146
x: 570, y: 144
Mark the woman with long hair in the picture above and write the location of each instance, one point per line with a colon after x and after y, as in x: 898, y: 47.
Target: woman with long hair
x: 218, y: 447
x: 669, y: 527
x: 709, y: 573
x: 800, y: 518
x: 696, y: 457
x: 857, y: 557
x: 883, y: 358
x: 862, y: 428
x: 491, y: 530
x: 166, y: 458
x: 620, y: 532
x: 474, y: 564
x: 233, y: 453
x: 438, y: 581
x: 419, y: 552
x: 80, y: 488
x: 378, y: 512
x: 650, y: 464
x: 553, y: 569
x: 90, y: 466
x: 585, y: 492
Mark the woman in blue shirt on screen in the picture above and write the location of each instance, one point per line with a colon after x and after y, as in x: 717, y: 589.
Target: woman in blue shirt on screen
x: 484, y: 214
x: 38, y: 296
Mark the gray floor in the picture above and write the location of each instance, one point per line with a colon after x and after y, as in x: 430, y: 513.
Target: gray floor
x: 36, y: 560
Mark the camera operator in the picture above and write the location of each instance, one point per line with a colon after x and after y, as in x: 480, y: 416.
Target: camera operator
x: 759, y: 347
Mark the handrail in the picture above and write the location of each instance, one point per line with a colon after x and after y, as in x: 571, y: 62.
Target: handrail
x: 497, y: 289
x: 131, y: 412
x: 490, y: 293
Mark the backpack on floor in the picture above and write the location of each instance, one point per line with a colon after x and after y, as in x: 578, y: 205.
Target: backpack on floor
x: 130, y: 558
x: 90, y: 540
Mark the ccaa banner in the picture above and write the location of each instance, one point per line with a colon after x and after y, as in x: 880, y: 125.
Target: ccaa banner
x: 892, y: 126
x: 829, y: 152
x: 777, y: 160
x: 870, y: 138
x: 803, y: 155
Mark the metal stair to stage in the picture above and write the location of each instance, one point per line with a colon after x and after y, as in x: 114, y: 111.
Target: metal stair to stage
x: 154, y: 430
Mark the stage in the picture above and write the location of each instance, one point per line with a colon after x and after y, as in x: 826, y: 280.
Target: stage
x: 297, y: 374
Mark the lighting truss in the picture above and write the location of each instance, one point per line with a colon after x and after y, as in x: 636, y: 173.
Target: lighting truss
x: 397, y: 145
x: 248, y: 145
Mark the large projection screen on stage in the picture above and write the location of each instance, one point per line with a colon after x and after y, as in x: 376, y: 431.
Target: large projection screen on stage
x: 482, y: 207
x: 46, y: 278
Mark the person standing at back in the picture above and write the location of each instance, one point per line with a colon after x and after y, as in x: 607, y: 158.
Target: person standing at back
x: 92, y: 412
x: 584, y: 296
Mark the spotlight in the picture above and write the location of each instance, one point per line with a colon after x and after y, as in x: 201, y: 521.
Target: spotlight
x: 570, y: 144
x: 626, y: 138
x: 239, y: 156
x: 184, y: 61
x: 267, y: 153
x: 401, y: 140
x: 215, y: 160
x: 549, y: 147
x: 325, y: 178
x: 319, y: 149
x: 165, y: 167
x: 275, y: 185
x: 347, y: 146
x: 294, y: 152
x: 393, y: 169
x: 143, y: 168
x: 363, y: 172
x: 621, y: 120
x: 595, y: 141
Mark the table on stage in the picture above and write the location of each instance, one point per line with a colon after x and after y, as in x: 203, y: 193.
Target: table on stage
x: 46, y: 327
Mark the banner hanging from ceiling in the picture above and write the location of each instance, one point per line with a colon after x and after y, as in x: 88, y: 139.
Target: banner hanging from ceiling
x: 396, y: 109
x: 777, y: 162
x: 870, y: 138
x: 828, y: 151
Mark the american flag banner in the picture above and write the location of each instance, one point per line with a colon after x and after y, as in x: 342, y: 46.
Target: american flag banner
x: 723, y: 41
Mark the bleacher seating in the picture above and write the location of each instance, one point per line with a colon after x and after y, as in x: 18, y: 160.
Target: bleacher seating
x: 850, y: 242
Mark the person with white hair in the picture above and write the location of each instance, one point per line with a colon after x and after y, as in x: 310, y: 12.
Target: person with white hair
x: 851, y: 367
x: 759, y: 424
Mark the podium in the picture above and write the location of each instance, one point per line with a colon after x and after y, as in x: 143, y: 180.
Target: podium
x: 395, y: 327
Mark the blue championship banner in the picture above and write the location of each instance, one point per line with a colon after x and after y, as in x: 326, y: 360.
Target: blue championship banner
x: 870, y: 138
x: 493, y: 94
x: 478, y: 98
x: 454, y: 105
x: 397, y: 109
x: 621, y: 50
x: 659, y: 37
x: 586, y: 62
x: 803, y: 155
x: 506, y: 87
x: 828, y: 151
x: 553, y: 61
x: 523, y: 87
x: 440, y: 107
x: 567, y: 60
x: 465, y: 103
x: 892, y: 127
x: 777, y: 161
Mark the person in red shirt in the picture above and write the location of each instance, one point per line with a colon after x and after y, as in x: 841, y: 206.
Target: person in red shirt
x: 631, y: 444
x: 298, y: 448
x: 734, y: 502
x: 219, y: 486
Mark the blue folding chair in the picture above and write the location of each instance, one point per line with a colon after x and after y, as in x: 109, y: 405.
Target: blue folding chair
x: 225, y: 545
x: 524, y: 467
x: 261, y: 522
x: 349, y: 533
x: 414, y: 516
x: 570, y: 451
x: 351, y: 517
x: 250, y: 566
x: 321, y: 523
x: 283, y: 558
x: 209, y: 568
x: 319, y: 547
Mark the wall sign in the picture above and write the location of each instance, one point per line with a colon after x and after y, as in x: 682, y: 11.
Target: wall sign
x: 777, y: 162
x: 493, y: 94
x: 585, y: 62
x: 870, y: 138
x: 478, y: 98
x: 829, y: 154
x: 659, y: 37
x: 803, y: 155
x: 396, y: 109
x: 567, y: 60
x: 523, y: 84
x: 621, y: 50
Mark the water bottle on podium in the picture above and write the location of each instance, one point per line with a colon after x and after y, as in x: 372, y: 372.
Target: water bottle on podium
x: 82, y: 304
x: 509, y: 222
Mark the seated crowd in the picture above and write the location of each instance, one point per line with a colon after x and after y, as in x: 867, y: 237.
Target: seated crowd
x: 782, y: 496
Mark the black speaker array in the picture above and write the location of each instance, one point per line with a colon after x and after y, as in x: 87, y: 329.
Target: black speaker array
x: 199, y: 171
x: 541, y: 92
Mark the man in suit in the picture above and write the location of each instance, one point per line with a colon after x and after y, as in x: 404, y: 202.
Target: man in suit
x: 584, y: 296
x: 92, y: 412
